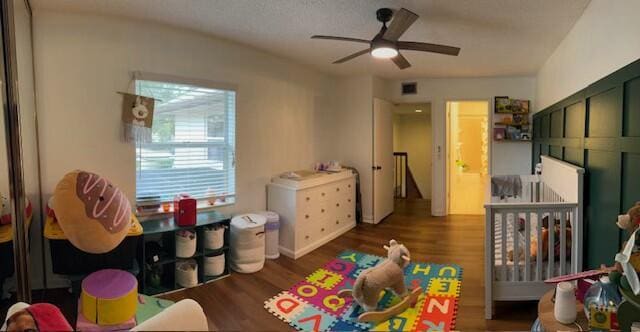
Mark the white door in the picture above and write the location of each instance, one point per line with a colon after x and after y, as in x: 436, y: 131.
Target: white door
x: 382, y: 159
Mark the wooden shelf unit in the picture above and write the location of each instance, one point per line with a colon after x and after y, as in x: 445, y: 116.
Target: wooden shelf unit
x: 162, y: 230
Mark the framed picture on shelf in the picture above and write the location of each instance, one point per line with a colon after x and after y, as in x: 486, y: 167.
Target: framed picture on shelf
x: 519, y: 106
x: 502, y: 104
x: 518, y: 119
x: 506, y: 105
x: 499, y: 134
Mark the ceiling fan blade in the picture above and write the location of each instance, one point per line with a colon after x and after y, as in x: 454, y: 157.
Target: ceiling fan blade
x: 401, y: 21
x: 426, y: 47
x: 401, y: 61
x: 354, y: 55
x: 357, y: 40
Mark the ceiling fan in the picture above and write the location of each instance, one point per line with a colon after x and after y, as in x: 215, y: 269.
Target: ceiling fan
x: 385, y: 44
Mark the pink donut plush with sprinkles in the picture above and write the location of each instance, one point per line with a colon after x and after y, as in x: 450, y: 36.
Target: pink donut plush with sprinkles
x: 93, y: 213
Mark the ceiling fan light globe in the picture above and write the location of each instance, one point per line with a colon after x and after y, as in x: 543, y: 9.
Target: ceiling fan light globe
x: 384, y: 52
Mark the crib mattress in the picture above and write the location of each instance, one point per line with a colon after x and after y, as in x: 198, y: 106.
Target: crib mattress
x: 510, y: 266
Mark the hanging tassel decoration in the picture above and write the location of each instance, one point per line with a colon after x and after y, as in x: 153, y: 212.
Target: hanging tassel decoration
x: 137, y: 117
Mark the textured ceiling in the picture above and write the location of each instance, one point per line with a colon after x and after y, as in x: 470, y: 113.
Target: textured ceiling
x: 497, y: 37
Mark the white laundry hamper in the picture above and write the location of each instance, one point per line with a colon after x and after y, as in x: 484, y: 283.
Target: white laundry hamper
x: 272, y: 231
x: 247, y: 243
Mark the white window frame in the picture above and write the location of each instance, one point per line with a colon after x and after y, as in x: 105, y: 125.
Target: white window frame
x: 167, y: 78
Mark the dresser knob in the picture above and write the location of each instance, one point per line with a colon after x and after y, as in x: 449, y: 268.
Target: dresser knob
x: 308, y: 199
x: 322, y: 210
x: 349, y: 186
x: 322, y: 229
x: 322, y: 194
x: 306, y: 216
x: 306, y: 237
x: 337, y: 222
x: 337, y: 189
x: 349, y: 200
x: 348, y: 216
x: 338, y: 204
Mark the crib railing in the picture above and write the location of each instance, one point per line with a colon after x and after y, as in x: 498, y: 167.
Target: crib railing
x: 561, y: 220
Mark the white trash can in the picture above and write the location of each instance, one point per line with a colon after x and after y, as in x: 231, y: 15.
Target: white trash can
x: 247, y: 243
x: 271, y: 230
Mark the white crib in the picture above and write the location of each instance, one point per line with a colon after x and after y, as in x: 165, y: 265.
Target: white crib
x: 512, y: 224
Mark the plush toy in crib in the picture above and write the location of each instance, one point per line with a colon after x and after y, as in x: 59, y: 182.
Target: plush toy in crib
x: 545, y: 241
x: 387, y: 275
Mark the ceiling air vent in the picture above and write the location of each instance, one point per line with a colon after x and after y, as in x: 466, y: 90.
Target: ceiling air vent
x: 409, y: 88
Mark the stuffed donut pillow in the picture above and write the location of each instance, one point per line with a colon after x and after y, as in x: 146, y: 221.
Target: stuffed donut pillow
x: 94, y: 214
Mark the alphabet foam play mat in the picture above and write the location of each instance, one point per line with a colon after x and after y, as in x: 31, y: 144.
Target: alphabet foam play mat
x: 314, y: 304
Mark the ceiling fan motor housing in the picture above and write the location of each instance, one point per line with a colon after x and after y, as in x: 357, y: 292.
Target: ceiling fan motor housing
x: 384, y: 14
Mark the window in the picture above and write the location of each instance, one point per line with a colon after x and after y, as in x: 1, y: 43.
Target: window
x: 192, y: 149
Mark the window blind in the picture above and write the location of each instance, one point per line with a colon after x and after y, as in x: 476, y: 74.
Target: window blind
x: 192, y: 149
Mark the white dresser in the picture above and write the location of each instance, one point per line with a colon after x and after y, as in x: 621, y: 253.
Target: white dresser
x: 313, y: 210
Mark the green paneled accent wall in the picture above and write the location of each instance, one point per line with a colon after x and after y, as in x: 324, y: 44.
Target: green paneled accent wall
x: 598, y: 128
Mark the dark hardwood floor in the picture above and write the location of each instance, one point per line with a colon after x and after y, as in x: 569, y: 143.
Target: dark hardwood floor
x: 236, y: 303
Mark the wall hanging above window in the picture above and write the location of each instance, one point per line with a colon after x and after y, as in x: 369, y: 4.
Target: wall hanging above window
x: 137, y: 117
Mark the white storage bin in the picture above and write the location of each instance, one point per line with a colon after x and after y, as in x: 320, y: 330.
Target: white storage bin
x: 187, y: 273
x: 272, y: 231
x: 214, y: 237
x: 247, y: 243
x: 185, y: 244
x: 214, y: 265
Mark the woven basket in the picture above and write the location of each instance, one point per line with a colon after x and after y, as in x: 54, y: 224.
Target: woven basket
x: 214, y: 265
x: 185, y: 244
x: 187, y: 273
x: 214, y: 237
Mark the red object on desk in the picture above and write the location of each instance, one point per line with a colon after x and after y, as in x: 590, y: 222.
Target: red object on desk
x: 184, y: 210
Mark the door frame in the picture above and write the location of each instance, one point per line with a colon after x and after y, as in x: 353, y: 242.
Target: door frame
x: 447, y: 161
x: 434, y: 146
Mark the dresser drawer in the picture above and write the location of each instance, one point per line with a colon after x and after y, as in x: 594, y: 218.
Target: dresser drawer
x: 312, y: 231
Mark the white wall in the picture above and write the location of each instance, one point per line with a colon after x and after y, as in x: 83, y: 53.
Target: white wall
x: 604, y: 39
x: 412, y: 134
x: 507, y: 157
x: 83, y: 60
x: 349, y: 132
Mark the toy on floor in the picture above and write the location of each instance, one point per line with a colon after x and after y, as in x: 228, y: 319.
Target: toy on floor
x: 35, y: 317
x: 388, y: 274
x: 109, y: 297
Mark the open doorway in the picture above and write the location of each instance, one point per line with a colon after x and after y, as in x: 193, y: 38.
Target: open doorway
x: 467, y: 156
x: 412, y: 141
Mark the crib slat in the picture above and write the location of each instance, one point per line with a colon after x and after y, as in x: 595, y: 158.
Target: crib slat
x: 503, y: 245
x: 551, y: 232
x: 516, y: 249
x: 563, y: 242
x: 527, y: 247
x: 539, y: 240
